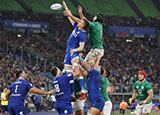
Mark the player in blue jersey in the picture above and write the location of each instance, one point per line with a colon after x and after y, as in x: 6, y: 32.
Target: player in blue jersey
x: 75, y: 44
x: 93, y: 86
x: 17, y: 93
x: 62, y: 87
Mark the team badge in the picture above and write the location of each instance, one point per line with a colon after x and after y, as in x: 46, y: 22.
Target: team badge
x: 140, y: 91
x: 142, y: 87
x: 78, y: 32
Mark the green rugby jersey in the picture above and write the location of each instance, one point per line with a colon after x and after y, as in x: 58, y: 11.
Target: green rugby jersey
x: 142, y: 89
x: 95, y: 35
x: 105, y: 83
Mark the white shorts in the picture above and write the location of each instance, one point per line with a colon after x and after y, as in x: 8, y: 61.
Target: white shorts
x: 78, y: 105
x: 92, y: 53
x: 107, y: 108
x: 146, y: 108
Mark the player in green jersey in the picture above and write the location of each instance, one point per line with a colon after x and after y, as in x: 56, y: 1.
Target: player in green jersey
x: 105, y: 88
x: 78, y: 105
x: 143, y: 89
x: 95, y: 36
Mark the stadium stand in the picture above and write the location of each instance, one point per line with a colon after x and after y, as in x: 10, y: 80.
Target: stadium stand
x: 10, y: 5
x: 108, y: 7
x: 147, y: 7
x: 44, y: 6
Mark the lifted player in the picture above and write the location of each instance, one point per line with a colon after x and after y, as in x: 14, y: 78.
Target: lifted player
x: 95, y: 36
x: 75, y: 44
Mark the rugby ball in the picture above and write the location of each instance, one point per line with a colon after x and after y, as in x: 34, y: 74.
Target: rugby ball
x: 56, y: 6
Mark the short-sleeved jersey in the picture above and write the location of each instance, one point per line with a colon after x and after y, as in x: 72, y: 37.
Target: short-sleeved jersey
x: 105, y: 83
x: 19, y: 90
x: 95, y: 35
x: 78, y: 88
x: 142, y: 89
x: 62, y: 88
x: 94, y: 84
x: 75, y: 38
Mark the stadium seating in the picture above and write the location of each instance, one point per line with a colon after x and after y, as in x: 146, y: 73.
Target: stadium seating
x: 147, y: 7
x: 108, y: 7
x: 44, y: 6
x: 10, y: 5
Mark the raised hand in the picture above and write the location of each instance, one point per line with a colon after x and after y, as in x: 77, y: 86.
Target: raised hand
x: 80, y: 9
x: 64, y: 5
x: 67, y: 13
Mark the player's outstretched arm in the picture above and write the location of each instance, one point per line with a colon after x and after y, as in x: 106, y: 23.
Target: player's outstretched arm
x: 38, y: 91
x: 68, y: 13
x: 81, y: 13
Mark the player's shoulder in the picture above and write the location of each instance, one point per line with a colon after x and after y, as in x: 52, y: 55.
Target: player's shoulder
x: 146, y: 82
x: 81, y: 32
x: 93, y: 71
x: 95, y: 23
x: 67, y: 75
x: 24, y: 81
x: 137, y: 82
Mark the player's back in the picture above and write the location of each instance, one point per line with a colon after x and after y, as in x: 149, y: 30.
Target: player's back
x: 94, y: 84
x: 95, y: 35
x: 19, y: 90
x: 76, y: 37
x: 62, y: 89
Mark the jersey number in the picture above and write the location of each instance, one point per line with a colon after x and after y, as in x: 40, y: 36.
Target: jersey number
x: 16, y: 89
x: 57, y: 88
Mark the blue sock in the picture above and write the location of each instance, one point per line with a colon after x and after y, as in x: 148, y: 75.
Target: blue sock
x: 81, y: 83
x: 72, y: 89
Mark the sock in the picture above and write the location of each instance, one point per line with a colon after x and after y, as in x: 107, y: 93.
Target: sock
x: 81, y: 83
x: 72, y: 87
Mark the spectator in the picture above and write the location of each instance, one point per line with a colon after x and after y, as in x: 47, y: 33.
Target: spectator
x: 123, y: 107
x: 4, y: 102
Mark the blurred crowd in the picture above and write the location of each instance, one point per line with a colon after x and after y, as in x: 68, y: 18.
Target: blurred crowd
x: 132, y: 21
x: 56, y: 19
x: 123, y: 59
